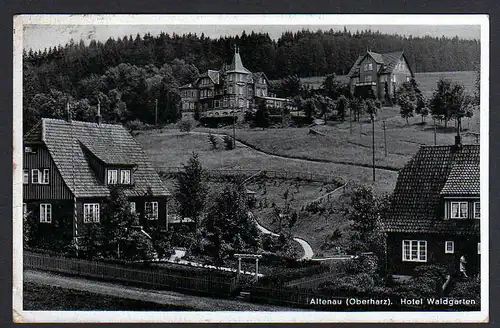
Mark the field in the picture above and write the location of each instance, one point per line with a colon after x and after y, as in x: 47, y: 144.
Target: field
x: 171, y: 148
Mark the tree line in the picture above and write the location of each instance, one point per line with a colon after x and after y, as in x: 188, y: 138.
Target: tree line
x: 126, y: 75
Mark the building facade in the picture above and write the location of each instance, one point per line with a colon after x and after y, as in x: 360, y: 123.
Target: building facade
x: 436, y: 211
x: 232, y: 90
x: 70, y: 168
x: 380, y: 73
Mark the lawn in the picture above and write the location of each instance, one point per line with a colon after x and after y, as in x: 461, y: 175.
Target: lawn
x: 38, y: 297
x: 171, y: 148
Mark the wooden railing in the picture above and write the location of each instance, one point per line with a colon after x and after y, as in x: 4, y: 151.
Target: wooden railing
x: 282, y: 174
x: 223, y: 286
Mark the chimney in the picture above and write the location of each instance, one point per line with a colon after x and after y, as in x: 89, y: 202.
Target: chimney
x: 98, y: 116
x: 68, y: 112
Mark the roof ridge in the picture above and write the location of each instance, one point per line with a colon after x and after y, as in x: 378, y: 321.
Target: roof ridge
x: 81, y: 122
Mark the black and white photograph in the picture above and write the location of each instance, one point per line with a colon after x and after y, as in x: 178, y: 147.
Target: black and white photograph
x: 243, y: 168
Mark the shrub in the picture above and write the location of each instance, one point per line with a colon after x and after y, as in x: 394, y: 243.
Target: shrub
x: 228, y: 142
x: 185, y: 126
x: 136, y: 125
x: 213, y: 141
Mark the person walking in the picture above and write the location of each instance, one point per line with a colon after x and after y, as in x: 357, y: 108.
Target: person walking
x: 463, y: 263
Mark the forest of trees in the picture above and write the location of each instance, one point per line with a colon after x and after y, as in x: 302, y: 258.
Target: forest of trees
x: 127, y: 74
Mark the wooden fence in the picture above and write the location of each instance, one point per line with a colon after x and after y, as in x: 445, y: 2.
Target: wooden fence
x: 270, y: 174
x: 93, y: 269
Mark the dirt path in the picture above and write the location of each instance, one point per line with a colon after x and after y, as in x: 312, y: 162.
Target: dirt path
x: 141, y: 294
x: 308, y: 252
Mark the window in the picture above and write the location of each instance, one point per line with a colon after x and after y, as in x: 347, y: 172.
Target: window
x: 26, y: 176
x: 477, y: 210
x: 479, y: 248
x: 125, y: 176
x: 368, y: 67
x: 112, y: 176
x: 393, y: 78
x: 230, y: 77
x: 241, y: 90
x: 240, y: 103
x: 45, y: 213
x: 458, y: 210
x: 449, y: 247
x: 191, y: 105
x: 35, y: 176
x: 231, y: 89
x: 133, y: 208
x: 151, y: 209
x: 91, y: 213
x: 216, y: 104
x: 45, y: 177
x: 368, y: 78
x: 415, y: 250
x: 407, y: 79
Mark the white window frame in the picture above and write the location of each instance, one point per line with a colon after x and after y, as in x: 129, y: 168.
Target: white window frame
x: 91, y: 213
x: 368, y: 78
x: 26, y: 176
x: 45, y: 176
x: 370, y: 66
x: 452, y: 216
x: 419, y: 244
x: 45, y: 213
x: 123, y: 176
x: 477, y: 214
x: 110, y: 177
x: 133, y: 207
x: 151, y: 214
x: 35, y: 173
x: 451, y: 249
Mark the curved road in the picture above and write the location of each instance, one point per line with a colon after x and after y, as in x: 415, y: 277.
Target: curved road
x: 308, y: 252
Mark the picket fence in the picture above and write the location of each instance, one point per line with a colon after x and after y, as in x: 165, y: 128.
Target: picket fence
x: 210, y: 284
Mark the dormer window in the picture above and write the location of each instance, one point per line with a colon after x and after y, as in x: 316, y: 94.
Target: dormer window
x: 125, y: 176
x: 112, y: 177
x: 477, y: 210
x: 459, y: 210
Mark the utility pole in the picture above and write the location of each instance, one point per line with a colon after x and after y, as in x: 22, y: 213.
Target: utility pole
x: 234, y: 131
x: 434, y: 131
x: 373, y: 146
x: 385, y: 140
x: 156, y: 111
x: 350, y: 120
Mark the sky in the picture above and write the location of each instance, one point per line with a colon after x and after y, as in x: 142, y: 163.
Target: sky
x: 38, y: 37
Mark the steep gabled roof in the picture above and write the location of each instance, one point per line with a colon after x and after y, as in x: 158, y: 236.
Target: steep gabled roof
x: 187, y: 86
x: 354, y: 72
x: 464, y: 178
x: 388, y: 61
x: 417, y: 195
x: 68, y: 142
x: 260, y: 74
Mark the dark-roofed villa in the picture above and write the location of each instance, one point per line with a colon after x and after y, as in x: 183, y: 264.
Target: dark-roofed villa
x: 381, y: 74
x: 70, y: 168
x: 436, y: 211
x: 232, y: 90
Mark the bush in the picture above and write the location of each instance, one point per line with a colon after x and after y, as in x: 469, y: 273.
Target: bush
x: 468, y: 289
x: 136, y: 125
x: 185, y: 126
x: 213, y: 141
x: 228, y: 142
x: 426, y: 282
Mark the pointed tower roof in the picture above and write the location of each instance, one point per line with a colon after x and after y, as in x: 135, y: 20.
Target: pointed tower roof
x: 237, y: 64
